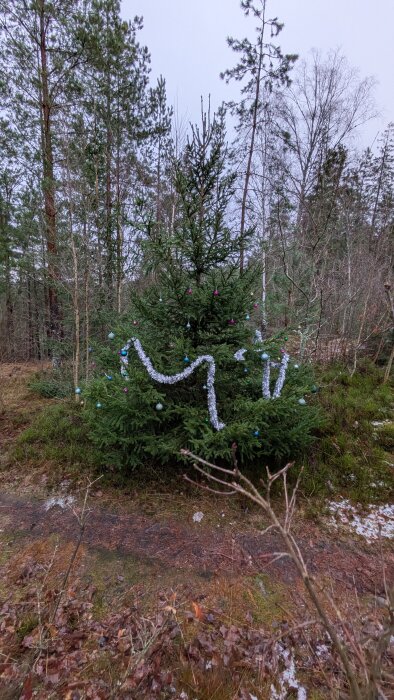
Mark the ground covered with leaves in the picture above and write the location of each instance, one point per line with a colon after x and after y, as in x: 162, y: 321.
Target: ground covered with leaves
x: 150, y: 601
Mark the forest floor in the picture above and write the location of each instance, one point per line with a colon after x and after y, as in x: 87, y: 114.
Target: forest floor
x: 152, y: 601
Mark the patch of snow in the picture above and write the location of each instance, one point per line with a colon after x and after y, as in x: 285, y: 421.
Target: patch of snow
x: 322, y: 651
x: 375, y: 521
x: 287, y: 679
x: 62, y: 501
x: 197, y: 517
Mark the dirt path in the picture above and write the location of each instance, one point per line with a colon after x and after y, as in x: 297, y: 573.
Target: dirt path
x: 203, y: 550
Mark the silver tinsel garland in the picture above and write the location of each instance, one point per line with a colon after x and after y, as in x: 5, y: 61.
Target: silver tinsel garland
x: 174, y: 378
x: 280, y: 380
x: 258, y: 337
x: 265, y: 384
x: 267, y: 364
x: 239, y: 355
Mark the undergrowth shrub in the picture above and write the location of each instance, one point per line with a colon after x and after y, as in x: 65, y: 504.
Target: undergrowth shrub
x: 59, y: 434
x: 52, y: 383
x: 352, y: 455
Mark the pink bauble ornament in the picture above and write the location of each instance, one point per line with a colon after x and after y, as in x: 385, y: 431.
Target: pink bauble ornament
x: 255, y: 306
x: 125, y: 390
x: 216, y: 293
x: 231, y: 322
x: 135, y: 323
x: 189, y: 291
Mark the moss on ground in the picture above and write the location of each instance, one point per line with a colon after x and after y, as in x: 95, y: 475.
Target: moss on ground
x: 352, y: 455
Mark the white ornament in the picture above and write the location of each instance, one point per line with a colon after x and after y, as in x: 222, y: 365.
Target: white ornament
x: 159, y: 407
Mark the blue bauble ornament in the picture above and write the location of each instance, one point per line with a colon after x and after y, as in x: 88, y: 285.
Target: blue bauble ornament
x: 90, y: 349
x: 186, y: 359
x: 98, y: 404
x: 78, y: 390
x: 247, y: 317
x: 159, y: 407
x: 265, y: 356
x: 256, y: 433
x: 111, y: 335
x: 246, y: 370
x: 123, y: 353
x: 188, y: 326
x: 302, y: 402
x: 109, y: 377
x: 204, y: 387
x: 314, y: 389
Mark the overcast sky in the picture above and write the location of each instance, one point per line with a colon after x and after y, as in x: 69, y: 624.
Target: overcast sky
x: 187, y: 42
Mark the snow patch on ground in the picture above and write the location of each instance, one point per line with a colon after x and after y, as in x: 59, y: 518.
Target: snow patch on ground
x: 368, y: 524
x: 62, y: 501
x: 287, y: 679
x: 197, y: 517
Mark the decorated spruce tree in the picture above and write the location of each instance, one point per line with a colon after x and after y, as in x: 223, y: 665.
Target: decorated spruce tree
x: 187, y: 367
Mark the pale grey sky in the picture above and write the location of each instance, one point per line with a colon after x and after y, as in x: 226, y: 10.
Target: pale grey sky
x: 187, y: 41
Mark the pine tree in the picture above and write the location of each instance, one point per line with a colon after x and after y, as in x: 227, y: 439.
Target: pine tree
x: 116, y: 101
x: 262, y: 67
x: 199, y: 305
x: 41, y: 49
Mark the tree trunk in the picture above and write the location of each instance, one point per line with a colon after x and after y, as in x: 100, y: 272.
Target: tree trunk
x: 250, y: 154
x: 109, y: 266
x: 48, y: 183
x: 119, y: 231
x: 75, y: 269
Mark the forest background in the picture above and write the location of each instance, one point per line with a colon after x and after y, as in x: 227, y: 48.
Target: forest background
x: 88, y: 148
x: 119, y: 220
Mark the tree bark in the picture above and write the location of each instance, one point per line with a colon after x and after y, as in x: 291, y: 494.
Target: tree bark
x: 48, y: 182
x: 250, y: 155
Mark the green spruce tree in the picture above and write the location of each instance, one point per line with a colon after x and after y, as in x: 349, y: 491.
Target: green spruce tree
x: 198, y: 305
